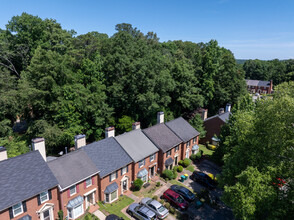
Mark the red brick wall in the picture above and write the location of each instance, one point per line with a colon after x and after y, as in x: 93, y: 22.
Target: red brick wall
x: 184, y: 147
x: 64, y: 199
x: 104, y: 182
x: 147, y: 165
x: 32, y: 207
x: 212, y: 126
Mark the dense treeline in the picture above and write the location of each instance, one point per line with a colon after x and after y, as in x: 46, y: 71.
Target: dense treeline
x: 277, y: 70
x: 62, y: 84
x: 257, y: 151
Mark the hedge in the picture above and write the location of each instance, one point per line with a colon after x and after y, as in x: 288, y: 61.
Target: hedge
x: 138, y: 183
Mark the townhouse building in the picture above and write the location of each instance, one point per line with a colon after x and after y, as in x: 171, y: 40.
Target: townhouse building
x: 114, y: 164
x: 142, y: 151
x: 28, y: 188
x: 77, y: 178
x: 265, y: 87
x: 188, y: 135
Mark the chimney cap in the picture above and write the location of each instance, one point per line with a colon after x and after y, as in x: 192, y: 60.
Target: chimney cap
x: 136, y: 123
x: 160, y: 113
x: 2, y: 148
x: 80, y: 136
x: 109, y: 128
x: 37, y: 140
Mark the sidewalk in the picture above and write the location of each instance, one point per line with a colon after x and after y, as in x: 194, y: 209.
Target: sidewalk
x: 99, y: 214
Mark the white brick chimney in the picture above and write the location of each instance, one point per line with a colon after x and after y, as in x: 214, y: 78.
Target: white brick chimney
x: 80, y: 141
x: 228, y: 107
x: 204, y: 114
x: 160, y: 117
x: 3, y: 153
x: 109, y: 132
x: 136, y: 125
x: 39, y: 144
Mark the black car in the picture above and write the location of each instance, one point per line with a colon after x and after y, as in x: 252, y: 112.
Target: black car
x: 203, y: 179
x: 113, y: 217
x: 187, y: 194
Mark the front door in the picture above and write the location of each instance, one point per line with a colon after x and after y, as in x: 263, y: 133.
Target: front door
x: 47, y: 214
x: 125, y: 185
x: 89, y: 200
x: 176, y: 161
x: 152, y: 171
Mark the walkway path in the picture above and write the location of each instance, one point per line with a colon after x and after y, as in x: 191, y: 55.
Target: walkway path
x: 99, y: 214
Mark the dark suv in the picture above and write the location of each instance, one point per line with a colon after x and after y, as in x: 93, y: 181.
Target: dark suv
x: 203, y: 179
x: 175, y: 199
x: 187, y: 194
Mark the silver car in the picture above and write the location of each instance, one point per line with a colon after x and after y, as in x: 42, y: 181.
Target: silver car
x: 141, y: 212
x: 156, y: 207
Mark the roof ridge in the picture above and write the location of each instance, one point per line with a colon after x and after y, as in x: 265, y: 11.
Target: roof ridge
x: 21, y: 155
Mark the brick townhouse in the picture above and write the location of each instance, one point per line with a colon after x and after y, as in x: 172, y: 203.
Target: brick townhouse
x: 142, y: 151
x: 28, y: 188
x: 78, y: 182
x: 115, y: 166
x: 265, y: 87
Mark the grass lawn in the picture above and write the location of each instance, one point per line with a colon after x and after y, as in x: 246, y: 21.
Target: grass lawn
x: 190, y: 168
x: 146, y: 192
x: 116, y: 207
x: 205, y: 150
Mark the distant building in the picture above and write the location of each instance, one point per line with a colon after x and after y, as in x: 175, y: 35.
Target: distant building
x: 261, y: 87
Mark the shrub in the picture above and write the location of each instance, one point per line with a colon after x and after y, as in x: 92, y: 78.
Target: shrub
x: 181, y: 163
x: 198, y: 155
x: 180, y: 169
x: 138, y: 183
x: 193, y: 157
x: 155, y: 197
x: 167, y: 205
x: 172, y: 210
x: 158, y: 184
x: 161, y: 201
x: 187, y: 162
x: 60, y: 215
x: 168, y: 174
x: 175, y: 172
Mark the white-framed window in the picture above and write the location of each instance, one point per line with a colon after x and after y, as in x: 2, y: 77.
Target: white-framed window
x: 72, y: 190
x: 17, y: 209
x: 141, y: 163
x: 194, y: 140
x: 44, y: 196
x: 152, y: 157
x: 188, y: 144
x: 177, y: 148
x: 124, y: 170
x: 89, y: 182
x: 168, y: 153
x: 76, y: 211
x: 112, y: 176
x: 111, y: 197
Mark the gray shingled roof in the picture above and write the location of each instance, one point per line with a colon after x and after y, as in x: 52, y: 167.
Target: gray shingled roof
x: 107, y: 155
x: 136, y: 144
x: 72, y: 168
x: 23, y: 177
x: 224, y: 116
x: 182, y: 129
x: 162, y: 137
x: 251, y: 82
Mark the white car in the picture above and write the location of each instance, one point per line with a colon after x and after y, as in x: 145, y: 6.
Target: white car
x: 156, y: 207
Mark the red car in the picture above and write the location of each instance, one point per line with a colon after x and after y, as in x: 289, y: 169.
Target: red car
x: 175, y: 199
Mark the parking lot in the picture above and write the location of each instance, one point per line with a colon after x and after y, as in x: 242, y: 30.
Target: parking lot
x: 206, y: 211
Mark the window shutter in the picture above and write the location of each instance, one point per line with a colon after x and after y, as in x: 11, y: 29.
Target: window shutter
x: 10, y: 213
x: 24, y: 206
x: 110, y: 178
x: 93, y: 180
x: 85, y: 184
x: 39, y: 199
x: 50, y: 194
x: 68, y: 193
x: 78, y: 190
x: 116, y: 174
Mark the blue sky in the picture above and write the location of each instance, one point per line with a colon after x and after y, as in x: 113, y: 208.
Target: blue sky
x: 260, y: 29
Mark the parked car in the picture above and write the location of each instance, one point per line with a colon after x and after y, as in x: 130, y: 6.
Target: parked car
x: 183, y: 191
x: 113, y: 217
x: 156, y: 207
x: 204, y: 179
x: 141, y: 212
x: 175, y: 199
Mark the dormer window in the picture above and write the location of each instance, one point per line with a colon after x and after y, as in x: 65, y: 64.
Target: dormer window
x: 17, y: 209
x: 44, y: 196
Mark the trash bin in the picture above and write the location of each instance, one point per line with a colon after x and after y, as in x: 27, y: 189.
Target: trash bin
x: 186, y: 176
x: 183, y: 178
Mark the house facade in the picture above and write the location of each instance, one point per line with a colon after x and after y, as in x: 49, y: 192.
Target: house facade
x: 78, y: 182
x: 258, y: 86
x: 142, y: 151
x: 28, y: 188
